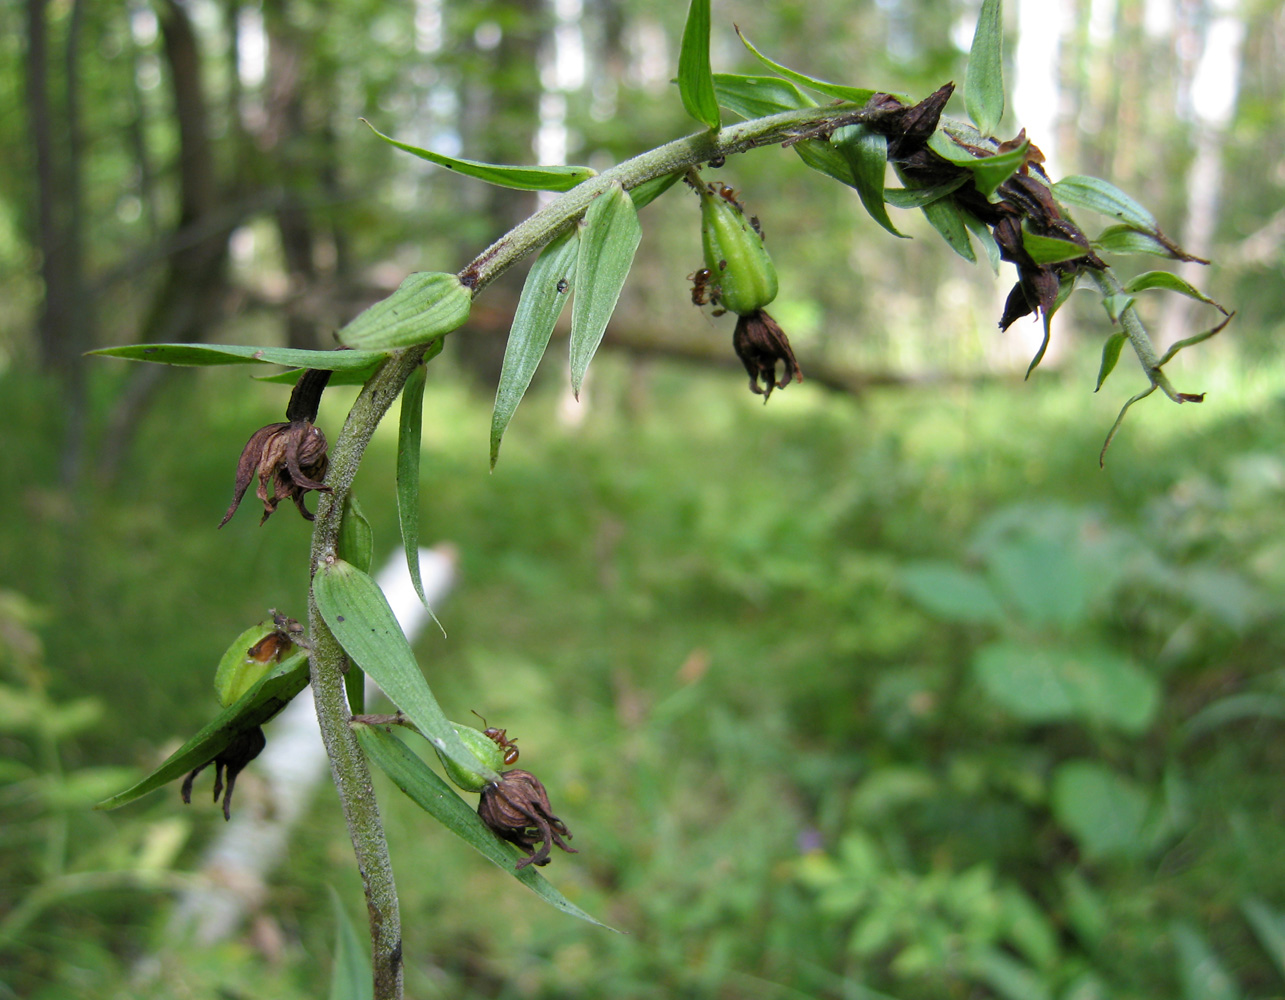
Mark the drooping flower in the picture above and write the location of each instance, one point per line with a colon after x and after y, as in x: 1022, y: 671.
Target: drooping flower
x: 517, y: 809
x: 233, y: 758
x: 289, y: 459
x: 761, y: 345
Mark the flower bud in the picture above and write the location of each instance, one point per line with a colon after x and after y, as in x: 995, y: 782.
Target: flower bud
x: 739, y: 265
x: 485, y: 749
x: 252, y: 654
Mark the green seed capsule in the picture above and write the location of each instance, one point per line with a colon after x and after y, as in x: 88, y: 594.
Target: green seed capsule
x: 483, y: 748
x: 252, y: 654
x: 738, y: 263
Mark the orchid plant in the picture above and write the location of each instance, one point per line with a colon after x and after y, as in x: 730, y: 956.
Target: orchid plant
x: 978, y: 191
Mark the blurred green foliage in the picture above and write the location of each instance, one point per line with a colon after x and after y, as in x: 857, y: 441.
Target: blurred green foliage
x: 835, y: 698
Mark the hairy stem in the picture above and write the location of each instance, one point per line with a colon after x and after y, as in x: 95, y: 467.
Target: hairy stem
x: 348, y: 765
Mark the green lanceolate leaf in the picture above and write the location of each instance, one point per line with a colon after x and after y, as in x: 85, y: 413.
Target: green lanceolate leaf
x: 989, y: 172
x: 984, y: 236
x: 351, y: 978
x: 522, y: 178
x: 426, y: 306
x: 1172, y: 283
x: 606, y: 253
x: 355, y: 376
x: 867, y: 156
x: 695, y: 79
x: 1128, y: 240
x: 408, y: 435
x: 824, y: 158
x: 648, y: 191
x: 1050, y: 249
x: 414, y: 777
x: 1110, y: 355
x: 259, y: 704
x: 227, y: 354
x: 1115, y: 305
x: 946, y: 217
x: 758, y: 96
x: 857, y: 95
x: 1099, y: 196
x: 984, y: 78
x: 356, y: 611
x: 919, y: 197
x: 356, y: 542
x: 547, y: 288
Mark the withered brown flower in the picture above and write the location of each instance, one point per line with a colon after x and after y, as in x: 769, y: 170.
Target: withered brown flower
x: 517, y: 809
x: 291, y: 456
x: 244, y: 747
x: 761, y: 344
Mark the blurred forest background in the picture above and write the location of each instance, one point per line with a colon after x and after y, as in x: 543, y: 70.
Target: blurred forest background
x: 883, y: 689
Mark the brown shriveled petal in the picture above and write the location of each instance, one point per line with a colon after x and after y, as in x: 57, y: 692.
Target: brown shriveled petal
x: 231, y: 760
x: 289, y: 459
x: 761, y: 345
x: 517, y: 809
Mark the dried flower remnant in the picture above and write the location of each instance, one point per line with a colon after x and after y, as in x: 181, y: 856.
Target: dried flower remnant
x: 761, y: 345
x: 517, y: 809
x: 245, y: 746
x: 289, y: 459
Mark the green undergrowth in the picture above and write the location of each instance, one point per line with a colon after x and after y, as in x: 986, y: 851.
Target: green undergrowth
x: 896, y: 693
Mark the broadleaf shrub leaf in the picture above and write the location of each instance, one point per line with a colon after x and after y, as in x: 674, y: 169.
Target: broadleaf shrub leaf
x: 428, y: 791
x: 867, y: 154
x: 606, y: 253
x: 1104, y: 811
x: 553, y: 178
x: 984, y: 78
x: 695, y: 79
x: 356, y: 611
x: 545, y: 293
x: 426, y: 306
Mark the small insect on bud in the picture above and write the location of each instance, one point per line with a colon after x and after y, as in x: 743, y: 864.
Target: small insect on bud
x: 742, y: 277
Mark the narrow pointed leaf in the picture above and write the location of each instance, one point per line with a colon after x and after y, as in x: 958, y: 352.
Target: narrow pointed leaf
x: 984, y: 78
x: 351, y: 978
x: 1128, y: 240
x: 355, y: 376
x: 648, y: 191
x: 259, y: 704
x: 945, y: 217
x: 547, y: 288
x: 1050, y: 249
x: 607, y: 243
x: 919, y: 197
x: 824, y: 158
x: 1183, y: 344
x: 409, y: 425
x: 1115, y: 305
x: 428, y: 791
x: 857, y: 95
x: 1110, y: 355
x: 555, y: 178
x: 758, y: 96
x: 1269, y: 927
x: 982, y: 232
x: 989, y: 172
x: 228, y: 354
x: 695, y: 79
x: 356, y: 611
x: 867, y: 156
x: 426, y: 306
x: 356, y: 542
x: 1172, y: 283
x: 1044, y: 345
x: 1115, y: 427
x: 1099, y: 196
